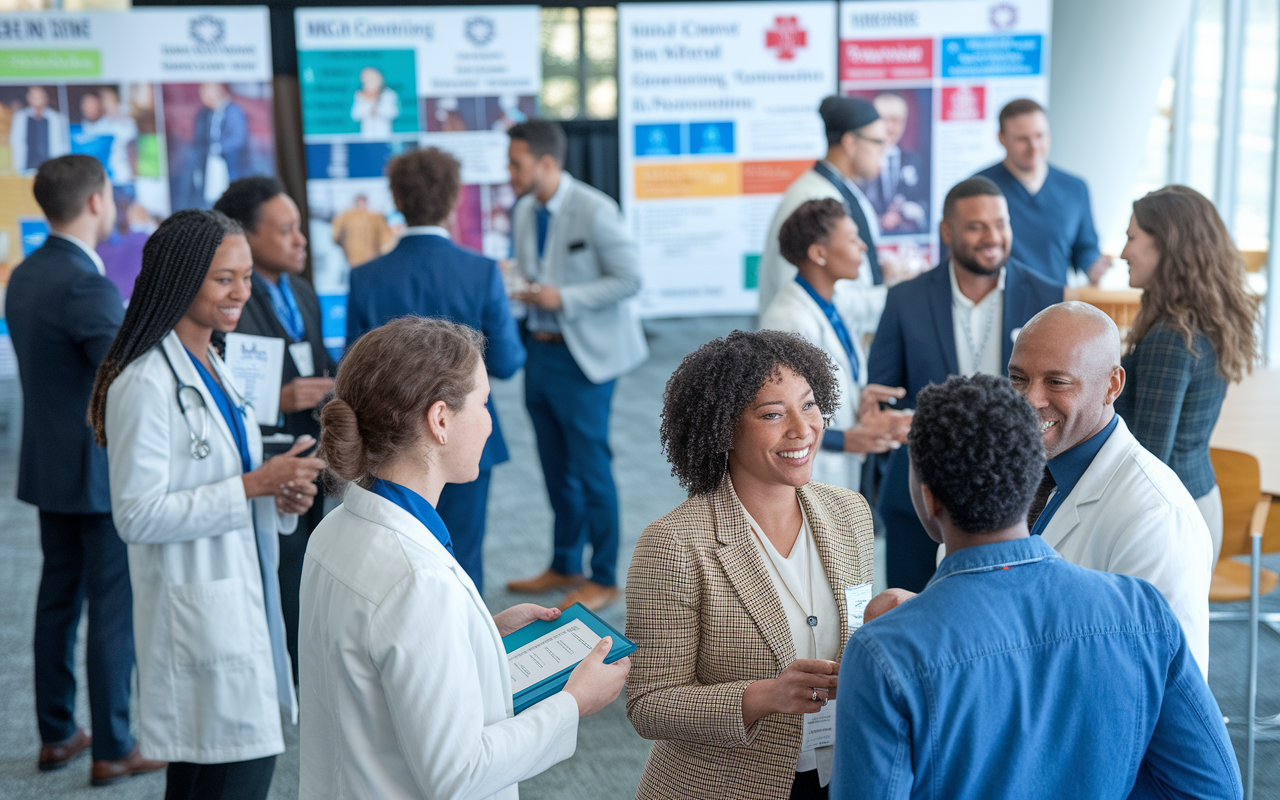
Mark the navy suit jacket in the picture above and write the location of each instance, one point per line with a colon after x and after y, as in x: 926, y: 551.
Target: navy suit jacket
x: 915, y: 345
x: 430, y: 276
x: 63, y: 317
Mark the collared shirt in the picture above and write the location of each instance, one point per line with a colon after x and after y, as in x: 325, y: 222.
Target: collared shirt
x: 426, y: 230
x: 540, y: 319
x: 977, y: 328
x: 418, y: 508
x: 286, y: 308
x: 89, y: 251
x: 1014, y: 669
x: 1068, y: 468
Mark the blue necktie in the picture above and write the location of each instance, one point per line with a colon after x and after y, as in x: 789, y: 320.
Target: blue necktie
x: 544, y: 224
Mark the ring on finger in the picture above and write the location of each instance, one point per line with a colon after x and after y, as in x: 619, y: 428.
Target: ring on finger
x: 815, y: 695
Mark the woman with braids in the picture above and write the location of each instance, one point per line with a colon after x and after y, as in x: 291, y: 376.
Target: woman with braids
x: 737, y: 597
x: 1194, y: 334
x: 200, y: 513
x: 406, y: 689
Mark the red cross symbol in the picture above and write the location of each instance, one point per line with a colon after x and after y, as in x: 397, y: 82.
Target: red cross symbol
x: 787, y: 36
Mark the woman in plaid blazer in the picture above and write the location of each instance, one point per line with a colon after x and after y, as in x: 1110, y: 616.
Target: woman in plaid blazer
x: 716, y: 681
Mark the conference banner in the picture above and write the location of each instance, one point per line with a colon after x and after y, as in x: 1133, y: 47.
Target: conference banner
x: 175, y: 102
x: 938, y: 71
x: 377, y: 82
x: 717, y: 115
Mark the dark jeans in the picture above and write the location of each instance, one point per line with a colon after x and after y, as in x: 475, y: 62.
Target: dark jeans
x: 462, y: 507
x: 293, y: 548
x: 570, y: 417
x: 239, y: 780
x: 84, y: 559
x: 806, y: 787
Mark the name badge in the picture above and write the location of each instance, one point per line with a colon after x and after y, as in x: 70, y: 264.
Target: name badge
x: 819, y: 728
x: 300, y: 352
x: 855, y: 604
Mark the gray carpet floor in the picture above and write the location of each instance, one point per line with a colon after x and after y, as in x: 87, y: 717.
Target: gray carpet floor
x: 610, y: 755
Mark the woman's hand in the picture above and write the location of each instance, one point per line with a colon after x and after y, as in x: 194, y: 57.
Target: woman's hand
x: 792, y: 692
x: 516, y: 617
x: 289, y: 477
x: 595, y: 684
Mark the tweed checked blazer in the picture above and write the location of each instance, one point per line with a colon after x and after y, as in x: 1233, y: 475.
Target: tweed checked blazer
x: 709, y: 622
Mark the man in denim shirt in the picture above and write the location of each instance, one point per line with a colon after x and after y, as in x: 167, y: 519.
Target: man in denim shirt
x: 1015, y: 673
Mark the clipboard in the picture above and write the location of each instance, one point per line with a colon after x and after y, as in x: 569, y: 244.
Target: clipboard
x: 622, y: 647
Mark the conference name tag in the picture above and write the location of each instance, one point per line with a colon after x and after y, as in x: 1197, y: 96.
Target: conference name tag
x: 300, y: 352
x: 819, y: 728
x: 855, y: 604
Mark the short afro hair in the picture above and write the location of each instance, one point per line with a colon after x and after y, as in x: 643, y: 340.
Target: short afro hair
x: 708, y: 393
x: 811, y: 223
x: 977, y: 186
x: 425, y: 184
x: 976, y: 443
x: 243, y: 199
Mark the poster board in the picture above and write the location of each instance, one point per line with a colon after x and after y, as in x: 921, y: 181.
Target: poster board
x: 717, y: 114
x: 939, y: 71
x: 377, y: 82
x: 142, y: 91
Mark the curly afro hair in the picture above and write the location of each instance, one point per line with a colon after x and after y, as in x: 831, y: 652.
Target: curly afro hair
x: 713, y: 385
x: 976, y: 443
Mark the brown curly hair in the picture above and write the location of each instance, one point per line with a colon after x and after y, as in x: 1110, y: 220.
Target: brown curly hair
x: 708, y: 393
x: 425, y: 185
x: 811, y: 223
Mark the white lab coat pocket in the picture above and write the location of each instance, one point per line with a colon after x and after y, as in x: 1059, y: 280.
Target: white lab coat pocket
x: 210, y: 624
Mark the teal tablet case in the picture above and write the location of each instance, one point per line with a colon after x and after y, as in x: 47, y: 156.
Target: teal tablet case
x: 622, y: 647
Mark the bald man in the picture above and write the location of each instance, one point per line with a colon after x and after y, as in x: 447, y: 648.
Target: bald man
x: 1106, y: 502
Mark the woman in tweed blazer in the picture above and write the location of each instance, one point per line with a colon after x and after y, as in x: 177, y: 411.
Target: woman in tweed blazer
x: 716, y: 681
x: 1194, y: 334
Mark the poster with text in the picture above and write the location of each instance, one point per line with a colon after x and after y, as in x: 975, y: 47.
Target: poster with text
x: 377, y: 82
x: 717, y: 115
x: 938, y: 71
x: 175, y: 103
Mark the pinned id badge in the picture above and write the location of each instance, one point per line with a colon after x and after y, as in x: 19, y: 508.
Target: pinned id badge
x: 855, y: 603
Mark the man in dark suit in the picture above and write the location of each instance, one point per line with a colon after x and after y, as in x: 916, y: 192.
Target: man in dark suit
x: 283, y: 305
x: 958, y: 319
x: 221, y: 132
x: 428, y: 275
x: 900, y: 193
x: 63, y: 314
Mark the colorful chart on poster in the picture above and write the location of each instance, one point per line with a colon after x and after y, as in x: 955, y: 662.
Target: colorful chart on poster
x: 377, y: 82
x: 938, y: 71
x: 717, y: 115
x: 176, y: 104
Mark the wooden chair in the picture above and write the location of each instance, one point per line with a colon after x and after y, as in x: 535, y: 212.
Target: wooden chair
x: 1120, y: 304
x: 1254, y: 260
x: 1244, y: 511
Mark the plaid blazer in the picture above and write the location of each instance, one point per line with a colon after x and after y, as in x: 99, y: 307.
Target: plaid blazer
x: 708, y: 620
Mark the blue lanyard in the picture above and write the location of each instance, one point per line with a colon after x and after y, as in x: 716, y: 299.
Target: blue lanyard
x: 286, y: 307
x: 833, y: 316
x: 234, y: 415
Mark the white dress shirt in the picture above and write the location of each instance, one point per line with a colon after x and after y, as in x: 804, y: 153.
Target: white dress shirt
x: 977, y: 328
x: 426, y: 230
x: 89, y: 251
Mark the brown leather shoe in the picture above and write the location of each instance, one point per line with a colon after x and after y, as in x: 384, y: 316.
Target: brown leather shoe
x: 59, y: 754
x: 548, y: 581
x: 106, y: 773
x: 592, y: 595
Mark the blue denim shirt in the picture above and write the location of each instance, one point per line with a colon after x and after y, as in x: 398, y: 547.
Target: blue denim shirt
x: 1016, y: 674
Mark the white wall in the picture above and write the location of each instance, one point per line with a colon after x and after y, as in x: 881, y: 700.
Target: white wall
x: 1108, y: 58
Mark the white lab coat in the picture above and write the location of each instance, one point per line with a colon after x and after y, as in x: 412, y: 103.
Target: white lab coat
x: 794, y: 310
x: 774, y: 271
x: 207, y: 683
x: 406, y: 691
x: 1131, y: 515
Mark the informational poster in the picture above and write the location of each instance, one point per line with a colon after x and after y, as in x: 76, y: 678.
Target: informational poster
x: 377, y: 82
x: 938, y: 71
x: 175, y: 102
x: 717, y: 114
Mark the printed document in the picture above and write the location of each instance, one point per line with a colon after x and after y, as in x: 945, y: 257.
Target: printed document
x: 547, y: 655
x: 255, y: 363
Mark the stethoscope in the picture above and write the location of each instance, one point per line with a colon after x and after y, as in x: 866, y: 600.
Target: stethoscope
x: 199, y: 447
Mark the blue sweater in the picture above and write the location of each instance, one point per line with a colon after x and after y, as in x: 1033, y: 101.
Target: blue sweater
x: 1052, y: 229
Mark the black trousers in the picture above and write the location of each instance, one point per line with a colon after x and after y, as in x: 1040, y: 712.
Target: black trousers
x: 806, y: 787
x: 293, y: 548
x: 84, y: 559
x: 239, y: 780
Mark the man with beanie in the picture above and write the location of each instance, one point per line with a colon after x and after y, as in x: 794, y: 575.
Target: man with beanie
x: 856, y: 140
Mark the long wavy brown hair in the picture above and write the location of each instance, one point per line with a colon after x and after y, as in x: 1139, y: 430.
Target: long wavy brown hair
x: 1199, y: 285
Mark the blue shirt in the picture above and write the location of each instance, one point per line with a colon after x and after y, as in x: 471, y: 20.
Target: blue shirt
x: 417, y: 506
x: 286, y: 307
x: 1053, y: 228
x: 1068, y: 468
x: 233, y: 414
x: 1016, y: 674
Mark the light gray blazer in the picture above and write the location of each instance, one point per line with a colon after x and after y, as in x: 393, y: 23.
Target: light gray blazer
x: 591, y: 258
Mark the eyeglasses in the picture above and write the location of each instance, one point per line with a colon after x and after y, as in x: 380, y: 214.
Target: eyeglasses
x: 876, y: 142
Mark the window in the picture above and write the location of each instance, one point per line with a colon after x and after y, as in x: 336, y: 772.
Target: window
x: 580, y: 63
